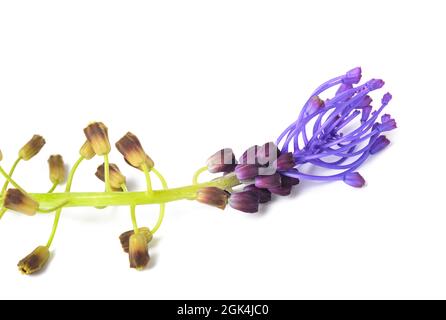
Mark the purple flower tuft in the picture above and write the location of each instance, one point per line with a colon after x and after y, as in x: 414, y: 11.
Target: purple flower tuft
x: 246, y: 201
x: 354, y: 179
x: 341, y: 135
x: 380, y: 143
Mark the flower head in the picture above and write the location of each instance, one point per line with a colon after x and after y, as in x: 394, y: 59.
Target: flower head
x: 213, y: 196
x: 138, y: 251
x: 246, y: 201
x: 124, y: 238
x: 133, y: 152
x: 16, y: 200
x: 97, y: 135
x: 117, y: 179
x: 222, y: 161
x: 57, y: 169
x: 87, y: 151
x: 35, y: 261
x: 32, y: 147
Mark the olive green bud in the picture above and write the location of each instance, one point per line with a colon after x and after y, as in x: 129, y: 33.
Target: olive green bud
x: 18, y: 201
x: 57, y: 169
x: 97, y: 135
x: 32, y: 147
x: 35, y: 261
x: 124, y: 238
x: 138, y: 251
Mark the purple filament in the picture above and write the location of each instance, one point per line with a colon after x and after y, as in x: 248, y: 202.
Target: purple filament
x: 343, y: 128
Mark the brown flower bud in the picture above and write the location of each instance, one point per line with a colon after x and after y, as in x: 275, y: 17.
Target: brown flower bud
x: 116, y: 177
x: 138, y: 251
x: 16, y: 200
x: 32, y: 147
x: 97, y: 135
x: 57, y: 169
x: 87, y: 151
x: 35, y: 261
x: 213, y: 196
x: 125, y: 237
x: 130, y: 147
x: 1, y: 155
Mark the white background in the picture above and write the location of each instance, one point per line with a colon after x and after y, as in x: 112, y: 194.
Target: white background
x: 190, y: 77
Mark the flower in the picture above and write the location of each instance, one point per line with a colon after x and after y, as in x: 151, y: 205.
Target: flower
x: 380, y: 143
x: 97, y: 135
x: 246, y: 201
x: 87, y: 151
x: 138, y: 251
x: 124, y: 238
x: 246, y: 171
x: 354, y: 179
x: 213, y: 196
x: 18, y: 201
x: 117, y: 179
x: 264, y: 194
x: 130, y: 147
x: 32, y: 147
x: 35, y: 261
x: 270, y: 181
x: 57, y: 169
x: 222, y: 161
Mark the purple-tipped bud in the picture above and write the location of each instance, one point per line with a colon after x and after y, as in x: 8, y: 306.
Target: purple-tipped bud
x: 250, y: 155
x: 386, y: 98
x: 314, y: 105
x: 246, y: 171
x: 281, y: 191
x: 289, y: 181
x: 285, y: 161
x: 375, y: 84
x: 366, y: 113
x: 366, y: 101
x: 379, y: 144
x: 246, y: 201
x: 354, y: 179
x: 266, y: 182
x: 268, y: 153
x: 264, y: 195
x: 344, y: 87
x: 222, y: 161
x: 353, y: 76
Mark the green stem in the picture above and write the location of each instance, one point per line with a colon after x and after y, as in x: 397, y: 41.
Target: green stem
x: 92, y: 199
x: 148, y: 180
x: 107, y: 174
x: 10, y: 180
x: 197, y: 174
x: 53, y: 187
x: 132, y: 211
x: 11, y: 172
x: 162, y: 205
x: 59, y: 211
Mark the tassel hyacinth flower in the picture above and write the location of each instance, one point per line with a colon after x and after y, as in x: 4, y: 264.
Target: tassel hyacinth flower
x: 330, y: 139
